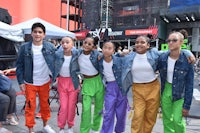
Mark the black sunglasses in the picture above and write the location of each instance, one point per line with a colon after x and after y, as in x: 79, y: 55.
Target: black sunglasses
x: 172, y: 40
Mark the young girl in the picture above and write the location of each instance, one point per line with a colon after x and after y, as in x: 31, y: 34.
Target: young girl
x: 115, y: 102
x: 66, y: 68
x: 92, y: 87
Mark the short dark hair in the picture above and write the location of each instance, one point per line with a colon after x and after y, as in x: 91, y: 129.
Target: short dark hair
x: 35, y: 25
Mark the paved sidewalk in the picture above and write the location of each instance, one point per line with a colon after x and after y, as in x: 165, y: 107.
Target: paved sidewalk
x: 192, y: 127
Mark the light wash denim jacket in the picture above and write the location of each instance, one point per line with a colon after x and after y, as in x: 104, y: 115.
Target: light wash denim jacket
x: 117, y: 70
x: 93, y: 57
x: 127, y: 81
x: 183, y: 78
x: 152, y: 57
x: 74, y: 67
x: 24, y: 62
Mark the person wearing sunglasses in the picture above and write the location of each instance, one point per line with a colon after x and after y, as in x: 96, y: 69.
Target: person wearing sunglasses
x: 177, y: 79
x: 139, y: 72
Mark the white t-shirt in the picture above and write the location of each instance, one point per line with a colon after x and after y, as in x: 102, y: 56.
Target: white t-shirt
x: 40, y: 69
x: 86, y: 66
x: 170, y: 69
x: 142, y: 71
x: 107, y: 71
x: 65, y: 70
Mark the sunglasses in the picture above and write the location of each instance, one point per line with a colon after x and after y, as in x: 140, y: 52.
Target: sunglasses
x: 172, y: 40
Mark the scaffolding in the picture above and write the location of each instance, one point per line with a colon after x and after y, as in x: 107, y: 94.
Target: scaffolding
x: 73, y: 10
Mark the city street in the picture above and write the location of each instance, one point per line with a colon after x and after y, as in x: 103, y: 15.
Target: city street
x: 193, y: 123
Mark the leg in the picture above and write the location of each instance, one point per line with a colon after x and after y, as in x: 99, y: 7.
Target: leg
x: 179, y: 122
x: 4, y: 102
x: 63, y: 100
x: 166, y: 101
x: 86, y: 114
x: 43, y: 93
x: 109, y: 104
x: 30, y: 105
x: 12, y: 95
x: 139, y: 105
x: 152, y: 105
x: 121, y: 111
x: 72, y: 106
x: 98, y: 105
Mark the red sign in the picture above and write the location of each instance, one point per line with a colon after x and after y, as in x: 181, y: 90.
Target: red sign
x: 150, y: 30
x: 81, y: 35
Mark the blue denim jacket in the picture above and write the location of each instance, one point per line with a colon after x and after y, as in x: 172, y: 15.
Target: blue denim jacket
x: 152, y: 56
x: 24, y: 62
x: 93, y: 57
x: 127, y: 81
x: 74, y: 67
x: 183, y: 78
x: 117, y: 70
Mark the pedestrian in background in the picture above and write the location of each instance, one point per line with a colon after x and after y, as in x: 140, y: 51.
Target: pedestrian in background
x: 35, y: 64
x: 115, y: 103
x: 92, y: 87
x: 67, y: 70
x: 7, y: 103
x: 177, y: 78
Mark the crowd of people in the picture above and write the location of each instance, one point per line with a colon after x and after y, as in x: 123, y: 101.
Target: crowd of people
x: 104, y: 79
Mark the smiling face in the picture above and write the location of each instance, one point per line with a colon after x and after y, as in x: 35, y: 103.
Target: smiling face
x: 67, y: 44
x: 175, y: 40
x: 38, y: 35
x: 142, y: 45
x: 88, y: 45
x: 108, y: 49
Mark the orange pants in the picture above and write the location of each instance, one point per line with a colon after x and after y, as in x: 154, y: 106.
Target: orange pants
x: 43, y: 93
x: 146, y: 101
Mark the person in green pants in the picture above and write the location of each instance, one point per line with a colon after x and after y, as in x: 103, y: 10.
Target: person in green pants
x: 177, y: 77
x: 92, y: 87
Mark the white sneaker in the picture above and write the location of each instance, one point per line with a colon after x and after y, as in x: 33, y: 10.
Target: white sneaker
x: 48, y: 129
x: 92, y: 131
x: 4, y: 130
x: 70, y: 130
x: 62, y: 131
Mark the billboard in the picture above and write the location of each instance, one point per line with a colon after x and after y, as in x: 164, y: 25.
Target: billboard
x: 180, y: 3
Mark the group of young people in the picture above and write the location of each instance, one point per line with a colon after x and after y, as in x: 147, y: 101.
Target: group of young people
x: 107, y: 78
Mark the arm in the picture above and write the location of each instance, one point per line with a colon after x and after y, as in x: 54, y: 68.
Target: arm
x: 189, y: 55
x: 7, y: 71
x: 188, y: 90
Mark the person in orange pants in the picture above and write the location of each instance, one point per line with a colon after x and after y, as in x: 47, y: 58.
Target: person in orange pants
x: 34, y: 65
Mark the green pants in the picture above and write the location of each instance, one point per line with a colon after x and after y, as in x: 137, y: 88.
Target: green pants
x: 92, y: 88
x: 172, y: 112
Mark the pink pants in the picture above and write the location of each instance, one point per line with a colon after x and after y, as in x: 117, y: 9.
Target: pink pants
x: 68, y: 99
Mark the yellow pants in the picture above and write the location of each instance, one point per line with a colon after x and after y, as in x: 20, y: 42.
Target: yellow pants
x: 146, y: 101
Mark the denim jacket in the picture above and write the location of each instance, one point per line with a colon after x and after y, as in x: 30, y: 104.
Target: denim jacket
x: 117, y: 70
x: 93, y: 57
x: 127, y: 81
x: 74, y: 67
x: 24, y: 62
x: 183, y: 78
x: 152, y: 57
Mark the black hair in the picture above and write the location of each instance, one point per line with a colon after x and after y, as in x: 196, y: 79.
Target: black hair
x: 35, y: 25
x: 185, y: 33
x: 95, y: 38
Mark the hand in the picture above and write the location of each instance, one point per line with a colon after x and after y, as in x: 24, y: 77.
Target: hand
x: 185, y: 112
x: 22, y: 87
x: 6, y: 71
x: 191, y: 60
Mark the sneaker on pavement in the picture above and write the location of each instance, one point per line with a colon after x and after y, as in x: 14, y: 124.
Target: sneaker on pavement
x: 38, y: 115
x: 92, y: 131
x: 62, y: 131
x: 70, y: 130
x: 12, y: 121
x: 4, y: 130
x: 48, y: 129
